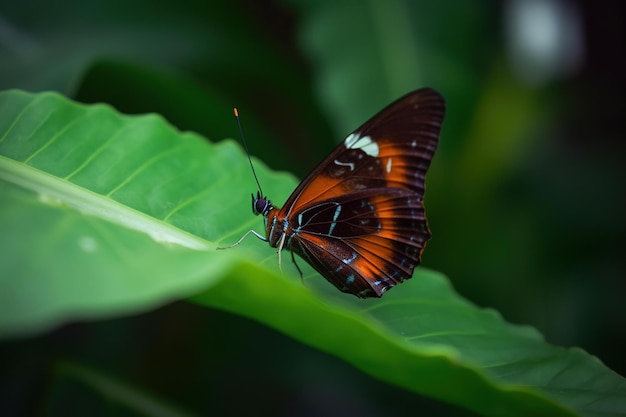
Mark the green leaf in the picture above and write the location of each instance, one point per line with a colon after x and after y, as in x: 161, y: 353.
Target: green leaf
x: 104, y: 215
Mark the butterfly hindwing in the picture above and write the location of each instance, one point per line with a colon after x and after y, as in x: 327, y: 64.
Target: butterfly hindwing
x: 364, y: 242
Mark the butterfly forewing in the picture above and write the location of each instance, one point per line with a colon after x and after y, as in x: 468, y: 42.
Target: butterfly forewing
x: 358, y: 217
x: 404, y: 135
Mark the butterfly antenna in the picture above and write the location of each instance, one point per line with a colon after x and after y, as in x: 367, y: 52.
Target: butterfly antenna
x: 245, y: 146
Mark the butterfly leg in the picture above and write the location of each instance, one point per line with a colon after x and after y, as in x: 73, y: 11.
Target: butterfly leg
x: 293, y: 259
x: 264, y: 239
x: 281, y: 242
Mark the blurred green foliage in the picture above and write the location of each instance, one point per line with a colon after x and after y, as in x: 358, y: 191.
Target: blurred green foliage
x: 525, y: 196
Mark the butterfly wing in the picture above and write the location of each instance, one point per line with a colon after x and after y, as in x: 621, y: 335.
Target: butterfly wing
x: 365, y: 242
x: 401, y: 140
x: 358, y: 217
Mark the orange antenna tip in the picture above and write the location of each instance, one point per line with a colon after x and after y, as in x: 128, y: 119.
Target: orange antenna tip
x: 236, y: 112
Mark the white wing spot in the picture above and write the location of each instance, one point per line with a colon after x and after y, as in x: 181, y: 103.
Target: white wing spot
x: 335, y: 217
x: 345, y: 164
x: 365, y: 143
x: 388, y: 165
x: 350, y: 259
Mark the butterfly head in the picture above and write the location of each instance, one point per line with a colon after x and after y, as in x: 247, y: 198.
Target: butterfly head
x: 260, y: 204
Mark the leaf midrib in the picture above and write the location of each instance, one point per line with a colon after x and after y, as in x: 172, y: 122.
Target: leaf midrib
x: 53, y: 189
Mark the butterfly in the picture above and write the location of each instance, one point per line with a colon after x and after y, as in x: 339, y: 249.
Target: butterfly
x: 358, y: 218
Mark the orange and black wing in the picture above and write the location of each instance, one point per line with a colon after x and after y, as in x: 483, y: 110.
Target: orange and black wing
x: 358, y: 217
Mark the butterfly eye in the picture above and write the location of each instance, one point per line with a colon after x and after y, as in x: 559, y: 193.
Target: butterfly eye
x: 260, y: 205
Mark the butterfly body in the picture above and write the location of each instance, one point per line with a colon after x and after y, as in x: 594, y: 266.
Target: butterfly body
x: 358, y: 218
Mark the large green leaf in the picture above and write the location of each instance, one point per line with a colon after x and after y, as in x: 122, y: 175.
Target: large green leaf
x: 102, y: 215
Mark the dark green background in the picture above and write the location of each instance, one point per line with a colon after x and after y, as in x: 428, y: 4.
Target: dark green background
x: 525, y: 197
